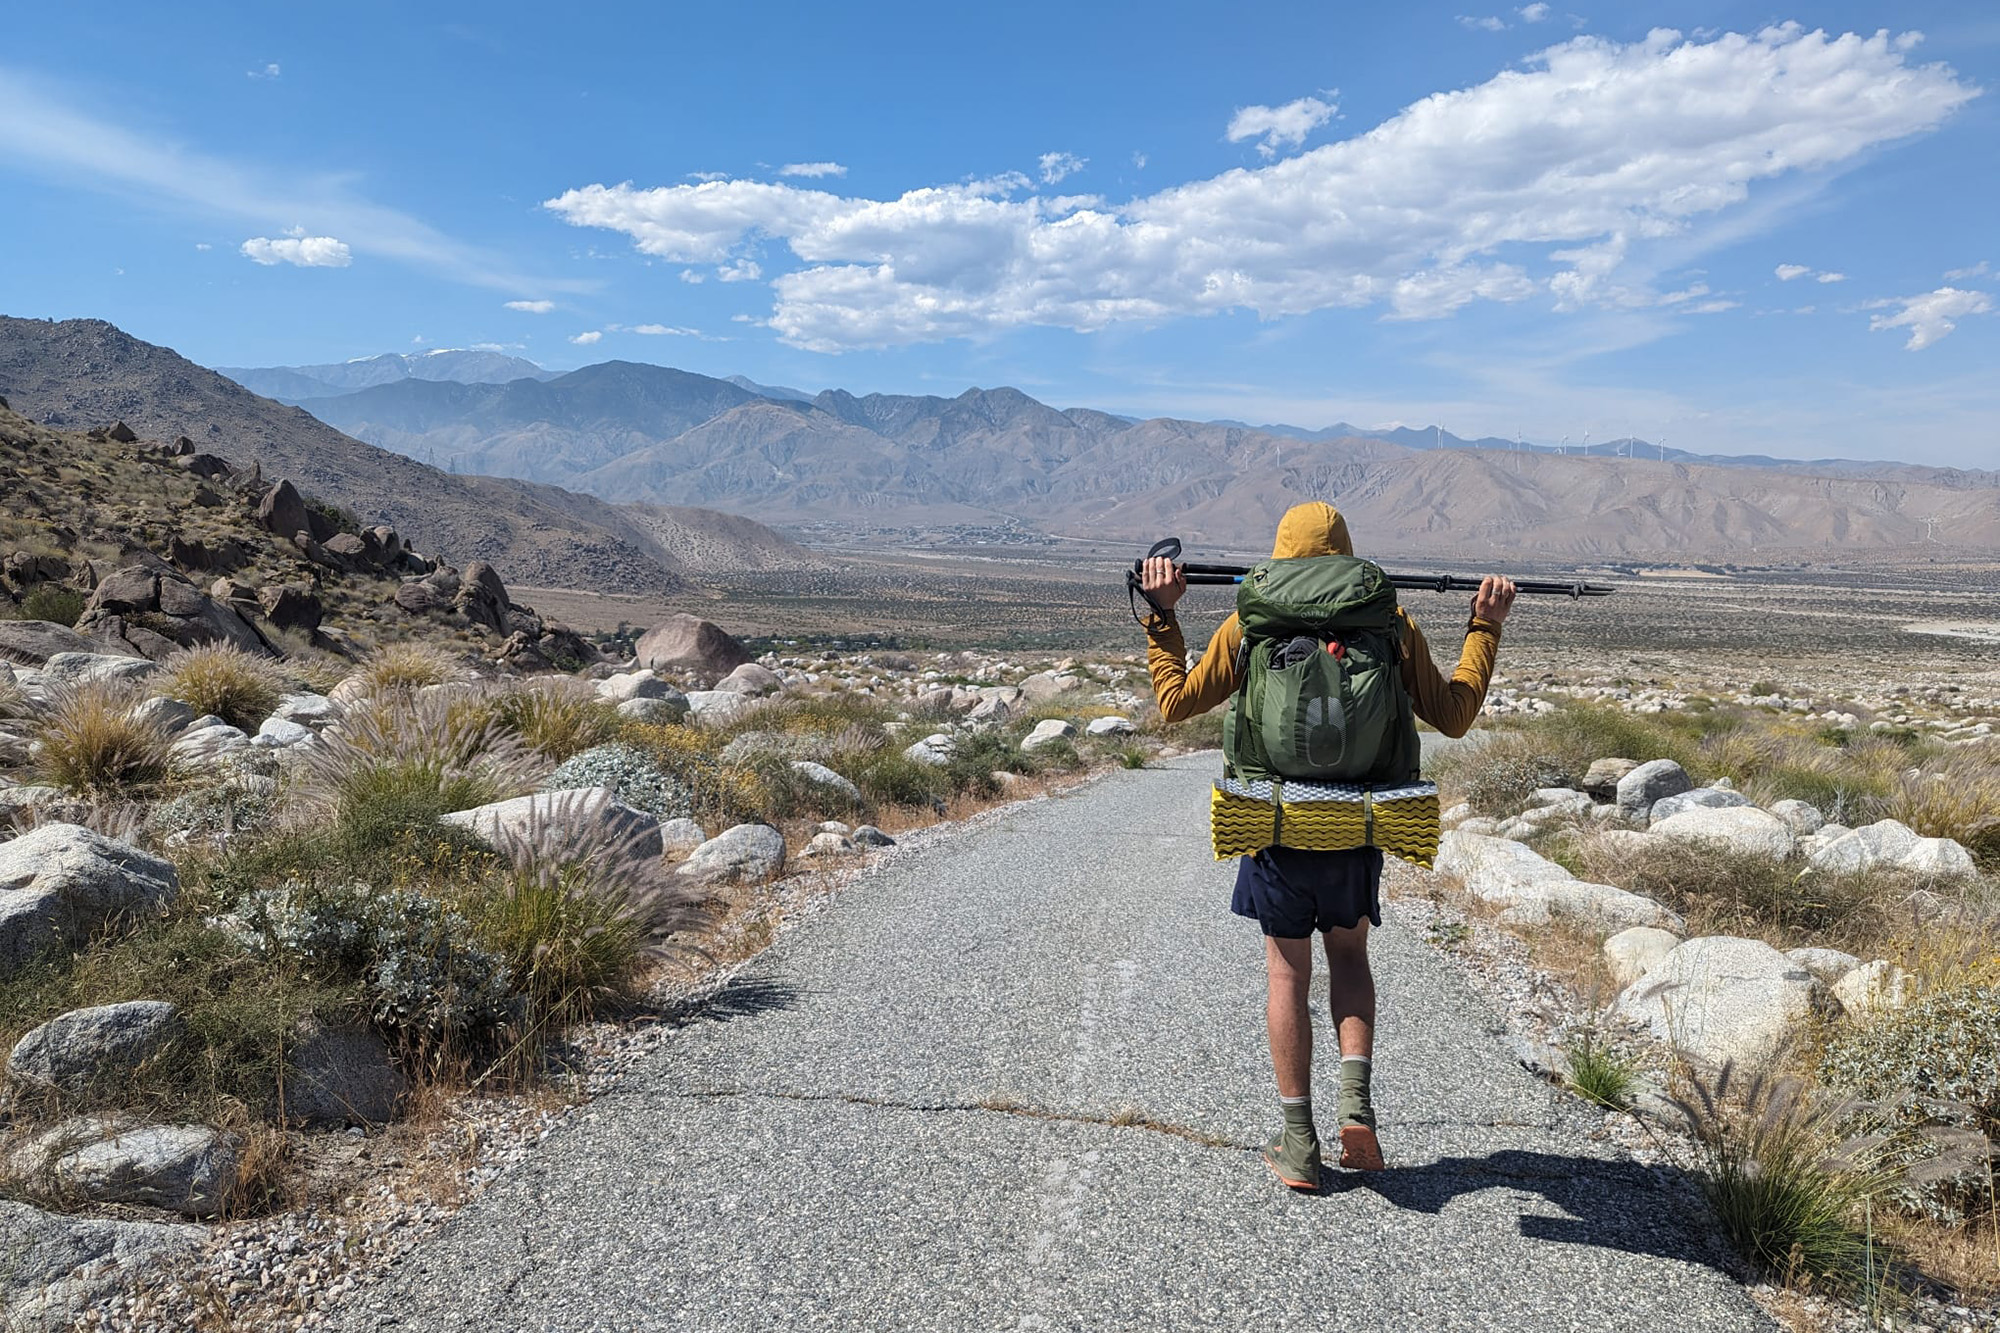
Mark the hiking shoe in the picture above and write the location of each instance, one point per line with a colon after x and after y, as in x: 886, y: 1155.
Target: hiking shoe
x: 1359, y: 1149
x: 1293, y: 1156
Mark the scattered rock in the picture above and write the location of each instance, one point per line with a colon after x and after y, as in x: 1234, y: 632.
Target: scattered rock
x: 153, y: 612
x: 1048, y: 685
x: 340, y: 1076
x: 1600, y: 783
x: 72, y: 1051
x: 68, y: 669
x: 1532, y: 889
x: 1700, y: 798
x: 626, y: 685
x: 482, y: 597
x: 187, y: 1169
x: 752, y: 679
x: 1940, y: 858
x: 746, y: 854
x: 1741, y: 829
x: 520, y: 817
x: 934, y: 750
x: 1632, y: 953
x: 1829, y: 965
x: 1802, y: 819
x: 171, y: 716
x: 673, y: 708
x: 60, y: 882
x: 1111, y: 726
x: 283, y: 511
x: 278, y: 734
x: 829, y: 844
x: 690, y: 643
x: 681, y: 835
x: 59, y: 1266
x: 717, y: 708
x: 1719, y: 999
x: 290, y: 607
x: 308, y: 710
x: 1047, y: 732
x: 206, y: 740
x: 1883, y: 843
x: 1649, y: 782
x: 34, y: 642
x: 870, y: 836
x: 822, y: 776
x: 1874, y: 987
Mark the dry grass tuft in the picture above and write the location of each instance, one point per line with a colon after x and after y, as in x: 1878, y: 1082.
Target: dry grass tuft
x: 401, y: 669
x: 557, y: 718
x: 222, y: 679
x: 95, y: 747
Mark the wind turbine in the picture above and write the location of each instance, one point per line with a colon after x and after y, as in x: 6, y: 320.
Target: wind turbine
x: 1586, y: 444
x: 1563, y: 447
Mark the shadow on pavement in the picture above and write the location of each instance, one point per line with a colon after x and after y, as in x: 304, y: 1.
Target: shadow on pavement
x: 1612, y: 1205
x: 743, y: 997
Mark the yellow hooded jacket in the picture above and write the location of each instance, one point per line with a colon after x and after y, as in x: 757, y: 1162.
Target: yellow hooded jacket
x: 1450, y: 705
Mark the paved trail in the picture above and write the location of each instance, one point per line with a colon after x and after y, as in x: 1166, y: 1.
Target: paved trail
x: 831, y: 1147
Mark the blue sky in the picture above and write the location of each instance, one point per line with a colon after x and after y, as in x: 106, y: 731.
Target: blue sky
x: 1746, y: 230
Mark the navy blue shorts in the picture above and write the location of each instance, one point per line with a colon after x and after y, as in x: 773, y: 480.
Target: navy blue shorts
x: 1293, y: 894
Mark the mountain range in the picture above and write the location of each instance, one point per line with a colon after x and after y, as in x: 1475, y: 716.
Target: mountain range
x: 85, y: 373
x: 642, y: 434
x: 290, y: 384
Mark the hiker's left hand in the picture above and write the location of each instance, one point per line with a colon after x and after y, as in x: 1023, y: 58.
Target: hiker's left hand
x: 1494, y: 599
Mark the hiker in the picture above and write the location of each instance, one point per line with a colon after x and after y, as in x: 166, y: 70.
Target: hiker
x: 1292, y: 894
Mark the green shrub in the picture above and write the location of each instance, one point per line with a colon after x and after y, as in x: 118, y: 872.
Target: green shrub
x: 1731, y: 892
x: 557, y: 720
x: 891, y: 778
x: 1600, y: 1075
x: 222, y: 679
x: 628, y: 772
x: 396, y: 764
x: 211, y: 813
x: 53, y: 602
x: 95, y: 746
x: 1931, y: 1073
x: 1788, y: 1189
x: 423, y: 971
x: 577, y: 913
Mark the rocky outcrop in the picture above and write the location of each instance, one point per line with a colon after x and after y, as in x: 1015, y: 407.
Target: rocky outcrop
x: 1533, y: 889
x: 34, y: 642
x: 60, y: 882
x: 1639, y: 789
x: 689, y: 643
x: 187, y: 1169
x: 153, y: 612
x: 1048, y: 732
x: 291, y: 607
x: 1743, y: 829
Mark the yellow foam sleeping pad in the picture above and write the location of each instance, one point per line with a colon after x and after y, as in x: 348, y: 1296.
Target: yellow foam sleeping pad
x: 1247, y: 816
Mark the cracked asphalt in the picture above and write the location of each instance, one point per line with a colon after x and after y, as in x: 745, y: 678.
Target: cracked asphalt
x: 1014, y: 1080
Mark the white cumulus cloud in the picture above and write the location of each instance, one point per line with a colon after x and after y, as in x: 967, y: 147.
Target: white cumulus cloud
x: 1486, y: 23
x: 1056, y: 166
x: 1931, y: 316
x: 304, y: 251
x: 532, y: 307
x: 1279, y: 126
x: 1786, y: 272
x: 1534, y: 13
x: 1830, y: 277
x: 1566, y: 177
x: 813, y: 169
x: 587, y: 338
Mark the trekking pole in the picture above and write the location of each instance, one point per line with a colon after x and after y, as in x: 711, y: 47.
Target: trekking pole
x: 1201, y: 574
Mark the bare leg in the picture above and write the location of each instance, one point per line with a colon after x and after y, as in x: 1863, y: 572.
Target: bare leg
x: 1288, y: 1013
x: 1350, y: 990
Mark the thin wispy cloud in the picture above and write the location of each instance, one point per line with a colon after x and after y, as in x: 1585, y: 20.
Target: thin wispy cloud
x: 1563, y: 178
x: 812, y: 169
x: 532, y: 307
x: 1486, y: 23
x: 1931, y: 316
x: 1787, y: 272
x: 41, y: 130
x: 1279, y: 127
x: 1060, y: 166
x: 270, y: 71
x: 1979, y: 270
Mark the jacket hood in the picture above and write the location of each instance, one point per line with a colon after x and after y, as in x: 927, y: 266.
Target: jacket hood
x: 1311, y: 529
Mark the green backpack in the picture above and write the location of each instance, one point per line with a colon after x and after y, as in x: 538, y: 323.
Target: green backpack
x: 1321, y: 695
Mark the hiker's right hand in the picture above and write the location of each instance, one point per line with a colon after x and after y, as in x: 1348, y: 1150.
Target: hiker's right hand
x: 1162, y: 581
